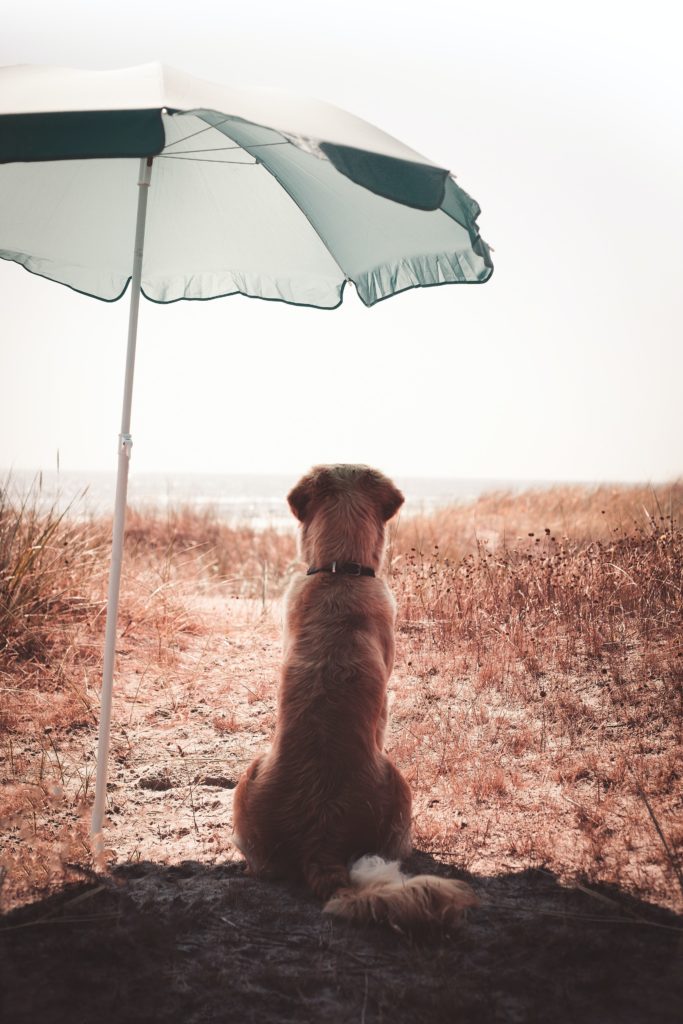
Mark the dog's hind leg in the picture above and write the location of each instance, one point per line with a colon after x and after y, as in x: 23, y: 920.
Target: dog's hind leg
x: 395, y: 841
x: 246, y: 833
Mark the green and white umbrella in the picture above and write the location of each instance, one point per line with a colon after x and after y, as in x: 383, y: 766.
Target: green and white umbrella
x: 251, y: 192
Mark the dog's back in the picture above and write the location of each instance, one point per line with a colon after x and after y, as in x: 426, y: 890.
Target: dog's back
x: 324, y: 791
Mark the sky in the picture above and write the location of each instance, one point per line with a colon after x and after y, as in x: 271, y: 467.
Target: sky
x: 563, y: 120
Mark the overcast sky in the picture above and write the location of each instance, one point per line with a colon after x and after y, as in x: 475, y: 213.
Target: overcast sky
x: 563, y: 120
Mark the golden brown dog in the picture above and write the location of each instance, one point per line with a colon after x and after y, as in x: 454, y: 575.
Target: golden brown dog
x: 326, y: 794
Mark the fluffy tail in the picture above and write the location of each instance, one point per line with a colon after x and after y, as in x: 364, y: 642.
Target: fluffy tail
x: 381, y: 893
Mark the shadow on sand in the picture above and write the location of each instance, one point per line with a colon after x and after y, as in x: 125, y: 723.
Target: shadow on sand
x: 204, y: 943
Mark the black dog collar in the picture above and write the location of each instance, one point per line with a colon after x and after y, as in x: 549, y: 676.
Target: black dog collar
x: 343, y: 569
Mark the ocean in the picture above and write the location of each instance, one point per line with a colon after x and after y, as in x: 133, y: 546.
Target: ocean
x: 259, y: 499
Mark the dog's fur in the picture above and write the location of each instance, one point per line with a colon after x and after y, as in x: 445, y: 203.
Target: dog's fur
x: 326, y: 793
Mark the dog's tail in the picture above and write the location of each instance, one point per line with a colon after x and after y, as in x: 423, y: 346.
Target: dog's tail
x: 381, y: 893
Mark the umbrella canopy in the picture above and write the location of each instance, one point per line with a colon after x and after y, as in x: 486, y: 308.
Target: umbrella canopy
x: 254, y: 192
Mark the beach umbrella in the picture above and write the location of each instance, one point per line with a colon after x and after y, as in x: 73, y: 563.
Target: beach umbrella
x: 251, y: 192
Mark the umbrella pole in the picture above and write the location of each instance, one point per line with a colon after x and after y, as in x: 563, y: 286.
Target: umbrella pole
x: 125, y: 443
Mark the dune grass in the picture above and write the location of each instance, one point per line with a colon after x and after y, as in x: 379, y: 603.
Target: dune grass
x: 549, y: 579
x: 542, y: 635
x: 52, y: 571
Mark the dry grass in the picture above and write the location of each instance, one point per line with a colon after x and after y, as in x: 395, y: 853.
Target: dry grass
x: 244, y: 561
x: 537, y: 694
x: 52, y: 572
x: 543, y: 653
x: 542, y: 595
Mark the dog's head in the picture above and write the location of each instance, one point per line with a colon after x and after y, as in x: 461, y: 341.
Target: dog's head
x: 343, y: 511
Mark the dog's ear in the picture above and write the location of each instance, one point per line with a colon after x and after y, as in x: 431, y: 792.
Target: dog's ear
x: 314, y: 484
x: 390, y: 498
x: 319, y: 483
x: 299, y: 498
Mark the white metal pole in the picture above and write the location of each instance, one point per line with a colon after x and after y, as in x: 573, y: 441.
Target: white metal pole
x: 125, y: 444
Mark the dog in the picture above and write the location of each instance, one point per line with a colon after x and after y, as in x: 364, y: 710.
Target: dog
x: 325, y: 804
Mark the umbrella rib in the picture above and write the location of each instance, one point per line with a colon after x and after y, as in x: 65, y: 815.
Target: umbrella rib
x: 206, y: 160
x: 209, y: 149
x: 198, y: 132
x: 222, y: 149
